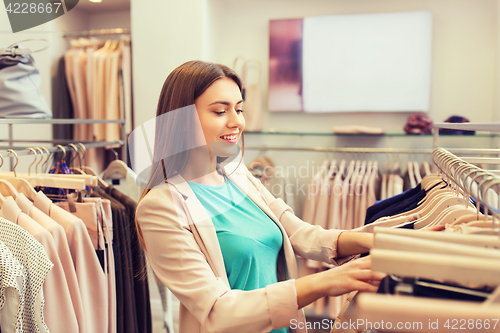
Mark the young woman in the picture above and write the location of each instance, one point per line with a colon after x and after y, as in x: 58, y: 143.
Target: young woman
x: 214, y: 235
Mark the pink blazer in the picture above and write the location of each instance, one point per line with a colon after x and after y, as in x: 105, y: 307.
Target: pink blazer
x: 185, y: 254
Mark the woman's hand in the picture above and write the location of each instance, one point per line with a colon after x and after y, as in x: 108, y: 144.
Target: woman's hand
x: 355, y: 275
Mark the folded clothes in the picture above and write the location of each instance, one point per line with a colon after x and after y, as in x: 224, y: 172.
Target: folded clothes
x: 456, y: 119
x: 357, y: 129
x: 418, y: 123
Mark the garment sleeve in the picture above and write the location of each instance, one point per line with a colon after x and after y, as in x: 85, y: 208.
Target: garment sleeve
x: 308, y: 241
x: 180, y: 265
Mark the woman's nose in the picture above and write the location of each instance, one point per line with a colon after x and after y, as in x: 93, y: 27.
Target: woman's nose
x: 235, y: 119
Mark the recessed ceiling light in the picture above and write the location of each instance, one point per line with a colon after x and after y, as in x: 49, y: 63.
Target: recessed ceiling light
x: 95, y: 0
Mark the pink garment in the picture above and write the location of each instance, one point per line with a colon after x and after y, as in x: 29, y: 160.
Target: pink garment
x: 335, y: 209
x: 91, y: 212
x: 358, y: 195
x: 345, y: 195
x: 185, y: 255
x: 91, y: 278
x: 58, y: 311
x: 372, y: 198
x: 364, y: 195
x: 351, y: 197
x: 61, y: 243
x: 104, y: 213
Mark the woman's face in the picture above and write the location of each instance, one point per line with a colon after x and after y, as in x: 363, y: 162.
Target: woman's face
x: 221, y: 116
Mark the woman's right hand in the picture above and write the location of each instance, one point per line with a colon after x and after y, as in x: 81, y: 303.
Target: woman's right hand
x: 355, y: 275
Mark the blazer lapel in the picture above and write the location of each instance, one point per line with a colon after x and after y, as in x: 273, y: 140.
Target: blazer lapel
x: 201, y: 226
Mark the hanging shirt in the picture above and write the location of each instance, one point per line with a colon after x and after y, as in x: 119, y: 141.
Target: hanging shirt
x: 12, y: 290
x: 250, y: 241
x: 36, y: 265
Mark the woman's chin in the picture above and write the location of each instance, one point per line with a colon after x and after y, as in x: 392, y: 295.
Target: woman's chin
x: 224, y: 149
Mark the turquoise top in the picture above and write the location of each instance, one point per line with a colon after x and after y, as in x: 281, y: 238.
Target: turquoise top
x: 249, y: 239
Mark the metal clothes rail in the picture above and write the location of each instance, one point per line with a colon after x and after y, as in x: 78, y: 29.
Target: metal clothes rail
x: 98, y: 32
x: 89, y: 144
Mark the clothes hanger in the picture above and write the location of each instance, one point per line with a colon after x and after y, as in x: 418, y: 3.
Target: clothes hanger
x: 22, y: 185
x: 46, y: 181
x: 412, y: 244
x: 88, y: 170
x: 472, y: 240
x: 118, y: 167
x: 453, y: 268
x: 429, y: 313
x: 7, y: 187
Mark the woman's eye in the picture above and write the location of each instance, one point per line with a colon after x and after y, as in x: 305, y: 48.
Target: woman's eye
x: 239, y: 111
x: 220, y: 113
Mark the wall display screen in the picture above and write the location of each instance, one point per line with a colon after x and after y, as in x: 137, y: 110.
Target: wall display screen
x: 351, y: 63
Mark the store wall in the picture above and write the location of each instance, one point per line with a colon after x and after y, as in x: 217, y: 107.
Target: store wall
x: 464, y: 51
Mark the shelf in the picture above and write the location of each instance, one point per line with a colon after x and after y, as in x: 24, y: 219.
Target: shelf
x: 480, y: 135
x: 9, y: 121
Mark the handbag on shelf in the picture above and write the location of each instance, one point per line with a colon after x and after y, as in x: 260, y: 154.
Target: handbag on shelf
x: 20, y: 95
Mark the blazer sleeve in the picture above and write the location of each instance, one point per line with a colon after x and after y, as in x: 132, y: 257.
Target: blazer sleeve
x: 180, y: 265
x: 308, y: 241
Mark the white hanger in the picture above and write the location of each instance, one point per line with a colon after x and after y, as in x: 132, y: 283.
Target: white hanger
x: 116, y: 166
x: 48, y: 181
x: 411, y: 244
x: 460, y: 269
x: 472, y: 240
x: 375, y: 308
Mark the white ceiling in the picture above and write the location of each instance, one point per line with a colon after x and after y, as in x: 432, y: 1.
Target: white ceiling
x: 105, y: 5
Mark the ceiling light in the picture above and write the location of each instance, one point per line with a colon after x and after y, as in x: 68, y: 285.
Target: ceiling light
x: 95, y: 0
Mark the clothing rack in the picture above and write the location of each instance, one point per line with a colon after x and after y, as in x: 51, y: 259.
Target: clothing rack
x: 88, y: 144
x: 98, y: 32
x: 374, y: 150
x: 461, y: 172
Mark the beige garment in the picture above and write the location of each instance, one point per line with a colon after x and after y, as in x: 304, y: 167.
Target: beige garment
x: 96, y: 219
x: 80, y: 81
x: 99, y: 90
x: 185, y: 254
x: 58, y: 311
x: 112, y: 97
x: 345, y: 194
x: 358, y: 195
x: 322, y: 206
x: 363, y: 206
x: 383, y: 189
x: 351, y: 197
x: 397, y: 185
x: 104, y: 214
x: 68, y: 66
x: 357, y: 129
x: 91, y: 279
x: 313, y: 193
x: 61, y: 244
x: 372, y: 198
x: 127, y: 87
x: 335, y: 204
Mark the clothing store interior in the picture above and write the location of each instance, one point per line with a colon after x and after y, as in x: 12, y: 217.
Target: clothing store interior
x: 381, y: 116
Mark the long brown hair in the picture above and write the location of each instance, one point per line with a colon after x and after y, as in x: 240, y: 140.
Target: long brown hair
x: 173, y: 136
